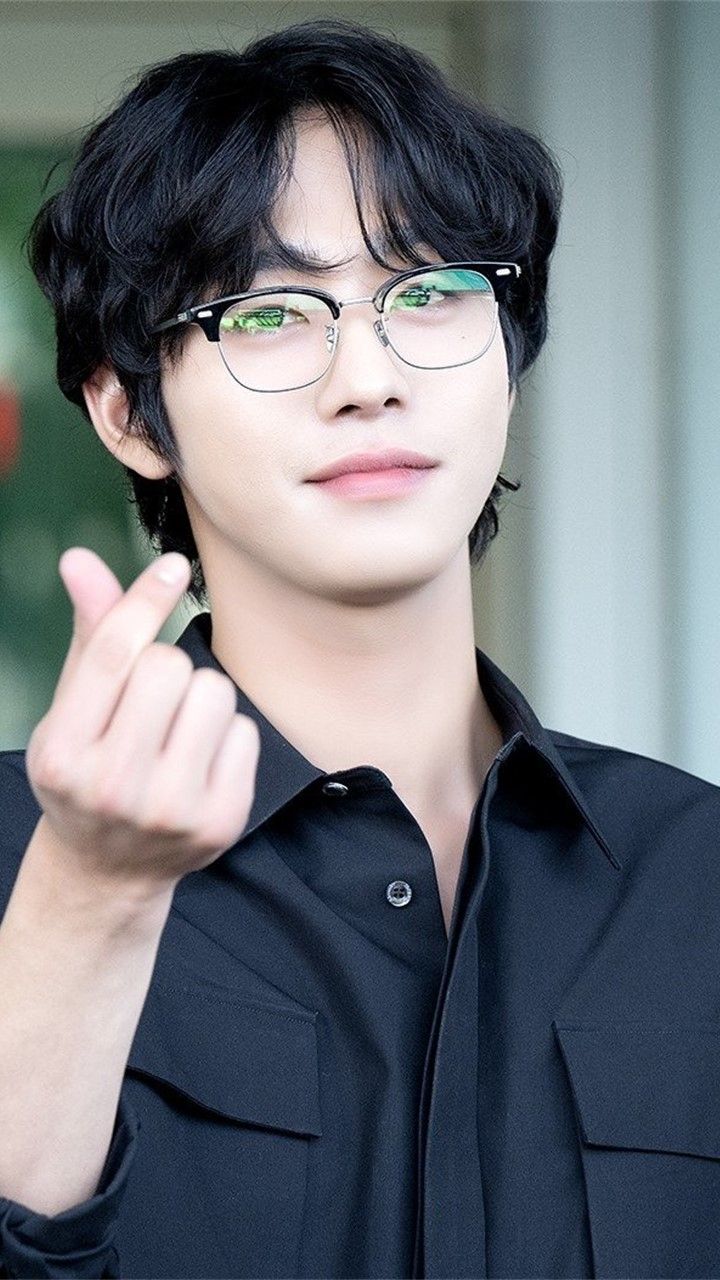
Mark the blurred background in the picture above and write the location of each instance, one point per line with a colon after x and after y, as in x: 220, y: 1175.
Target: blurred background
x: 600, y: 596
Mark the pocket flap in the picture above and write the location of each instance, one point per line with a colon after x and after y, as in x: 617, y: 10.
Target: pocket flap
x: 251, y: 1062
x: 646, y: 1086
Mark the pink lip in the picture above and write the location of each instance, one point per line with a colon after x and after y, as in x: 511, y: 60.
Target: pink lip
x: 379, y: 460
x: 387, y: 483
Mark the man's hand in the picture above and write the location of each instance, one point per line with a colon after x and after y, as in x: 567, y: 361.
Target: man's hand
x: 142, y: 766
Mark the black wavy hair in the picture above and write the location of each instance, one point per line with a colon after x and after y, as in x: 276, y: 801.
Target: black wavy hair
x: 171, y: 192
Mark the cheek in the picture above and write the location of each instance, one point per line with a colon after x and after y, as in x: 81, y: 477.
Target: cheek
x: 219, y: 427
x: 475, y: 410
x: 233, y: 476
x: 193, y: 397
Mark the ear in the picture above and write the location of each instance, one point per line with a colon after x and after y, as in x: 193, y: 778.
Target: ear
x: 109, y: 411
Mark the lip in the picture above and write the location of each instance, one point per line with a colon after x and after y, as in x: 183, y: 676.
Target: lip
x: 392, y: 482
x: 384, y: 460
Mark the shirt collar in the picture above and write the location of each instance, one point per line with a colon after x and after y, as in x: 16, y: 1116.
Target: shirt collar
x: 516, y: 716
x: 283, y: 771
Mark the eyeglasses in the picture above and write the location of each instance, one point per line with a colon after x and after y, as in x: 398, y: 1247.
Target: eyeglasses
x: 282, y: 339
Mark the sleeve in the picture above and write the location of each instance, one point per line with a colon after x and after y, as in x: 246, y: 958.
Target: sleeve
x: 79, y: 1241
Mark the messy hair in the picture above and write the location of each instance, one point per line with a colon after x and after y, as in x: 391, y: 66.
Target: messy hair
x: 172, y: 192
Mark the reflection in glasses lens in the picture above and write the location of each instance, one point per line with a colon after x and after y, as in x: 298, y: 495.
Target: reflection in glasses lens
x: 442, y: 318
x: 279, y: 340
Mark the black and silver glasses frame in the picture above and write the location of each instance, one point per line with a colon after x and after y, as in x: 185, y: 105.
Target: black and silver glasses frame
x: 209, y: 314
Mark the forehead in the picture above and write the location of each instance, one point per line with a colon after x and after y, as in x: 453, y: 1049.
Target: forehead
x: 315, y: 213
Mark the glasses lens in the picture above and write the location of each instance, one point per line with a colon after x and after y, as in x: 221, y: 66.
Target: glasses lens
x: 441, y: 318
x: 277, y: 341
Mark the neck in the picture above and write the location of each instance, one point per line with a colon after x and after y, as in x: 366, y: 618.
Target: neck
x: 390, y: 684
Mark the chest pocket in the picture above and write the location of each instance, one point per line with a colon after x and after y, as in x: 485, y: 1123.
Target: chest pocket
x: 227, y: 1094
x: 647, y: 1105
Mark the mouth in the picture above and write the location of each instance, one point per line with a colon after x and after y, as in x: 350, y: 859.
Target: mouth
x: 389, y: 482
x: 377, y: 460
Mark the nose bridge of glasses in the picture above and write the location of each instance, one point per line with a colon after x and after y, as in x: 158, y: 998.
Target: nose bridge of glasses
x: 351, y: 302
x: 377, y: 324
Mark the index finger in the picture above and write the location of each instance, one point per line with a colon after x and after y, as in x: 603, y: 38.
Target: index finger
x: 102, y: 667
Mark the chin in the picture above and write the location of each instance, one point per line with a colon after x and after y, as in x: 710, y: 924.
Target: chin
x: 374, y: 581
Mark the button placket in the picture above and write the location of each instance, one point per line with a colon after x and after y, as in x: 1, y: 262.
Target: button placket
x: 398, y: 892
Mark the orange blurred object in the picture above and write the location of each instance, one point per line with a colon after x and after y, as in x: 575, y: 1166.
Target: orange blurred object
x: 9, y: 427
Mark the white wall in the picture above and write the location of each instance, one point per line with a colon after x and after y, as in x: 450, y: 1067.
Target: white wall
x: 618, y: 436
x: 692, y: 155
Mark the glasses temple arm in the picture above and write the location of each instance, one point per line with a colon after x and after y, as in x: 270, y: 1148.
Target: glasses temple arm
x: 168, y: 324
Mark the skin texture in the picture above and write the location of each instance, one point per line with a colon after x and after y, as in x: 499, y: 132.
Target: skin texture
x: 349, y: 624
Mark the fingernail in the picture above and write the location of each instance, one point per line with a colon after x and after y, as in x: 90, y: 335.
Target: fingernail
x: 172, y: 568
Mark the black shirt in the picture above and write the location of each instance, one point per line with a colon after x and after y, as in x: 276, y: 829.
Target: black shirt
x: 323, y: 1084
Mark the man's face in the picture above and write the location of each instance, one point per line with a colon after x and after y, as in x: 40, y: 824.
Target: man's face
x: 247, y: 456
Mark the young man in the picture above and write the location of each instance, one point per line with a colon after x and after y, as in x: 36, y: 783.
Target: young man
x: 320, y: 955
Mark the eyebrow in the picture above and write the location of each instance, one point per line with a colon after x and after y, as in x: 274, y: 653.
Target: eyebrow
x: 270, y: 256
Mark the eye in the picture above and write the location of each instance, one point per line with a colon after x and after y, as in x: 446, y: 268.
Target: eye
x: 420, y: 296
x: 259, y: 319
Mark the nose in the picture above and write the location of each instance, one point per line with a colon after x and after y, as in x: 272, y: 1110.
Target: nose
x: 346, y: 325
x: 356, y: 376
x: 333, y: 332
x: 342, y: 323
x: 332, y: 337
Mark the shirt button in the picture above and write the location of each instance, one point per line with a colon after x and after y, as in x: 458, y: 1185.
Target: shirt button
x: 398, y: 893
x: 335, y: 789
